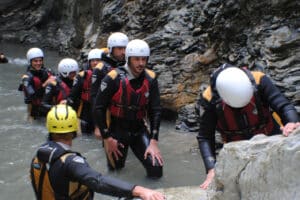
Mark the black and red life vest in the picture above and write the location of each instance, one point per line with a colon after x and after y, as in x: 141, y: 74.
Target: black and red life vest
x: 242, y: 123
x: 130, y: 103
x: 238, y: 124
x: 38, y: 87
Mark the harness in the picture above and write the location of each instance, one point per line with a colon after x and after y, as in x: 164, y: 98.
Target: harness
x: 46, y: 156
x: 241, y: 123
x: 130, y: 103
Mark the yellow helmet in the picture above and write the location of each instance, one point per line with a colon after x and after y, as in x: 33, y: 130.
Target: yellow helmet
x: 61, y: 119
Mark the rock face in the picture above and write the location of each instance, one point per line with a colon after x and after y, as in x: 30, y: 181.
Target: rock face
x: 188, y: 39
x: 261, y: 168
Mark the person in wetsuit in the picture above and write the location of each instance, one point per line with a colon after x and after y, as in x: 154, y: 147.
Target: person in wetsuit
x: 59, y: 173
x: 131, y: 95
x: 240, y: 104
x: 58, y: 89
x: 80, y: 95
x: 113, y: 58
x: 34, y: 82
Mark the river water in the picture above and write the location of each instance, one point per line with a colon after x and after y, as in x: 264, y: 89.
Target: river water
x: 19, y: 139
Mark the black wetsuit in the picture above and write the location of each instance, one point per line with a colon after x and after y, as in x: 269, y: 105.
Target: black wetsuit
x: 83, y: 106
x: 70, y: 175
x: 33, y: 91
x: 130, y: 132
x: 271, y: 99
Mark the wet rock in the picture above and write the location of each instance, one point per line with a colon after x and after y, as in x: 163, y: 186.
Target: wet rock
x: 261, y: 168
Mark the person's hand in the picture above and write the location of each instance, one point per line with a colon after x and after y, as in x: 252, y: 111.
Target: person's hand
x: 50, y: 79
x: 111, y: 147
x: 97, y: 133
x: 154, y: 151
x: 209, y: 177
x: 147, y: 194
x: 289, y: 127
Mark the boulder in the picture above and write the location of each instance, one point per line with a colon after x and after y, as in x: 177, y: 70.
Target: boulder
x: 261, y: 168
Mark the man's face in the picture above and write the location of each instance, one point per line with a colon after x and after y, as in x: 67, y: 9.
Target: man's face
x: 37, y: 63
x: 119, y: 53
x: 94, y: 62
x: 137, y: 65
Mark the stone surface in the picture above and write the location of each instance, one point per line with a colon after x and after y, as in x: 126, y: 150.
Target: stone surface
x: 185, y: 193
x: 261, y: 168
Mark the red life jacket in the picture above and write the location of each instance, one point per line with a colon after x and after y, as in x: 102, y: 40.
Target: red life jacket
x: 86, y: 88
x: 38, y: 85
x: 240, y: 124
x: 130, y: 103
x: 64, y: 92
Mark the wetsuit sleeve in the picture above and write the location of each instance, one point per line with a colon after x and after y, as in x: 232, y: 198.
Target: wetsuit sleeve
x: 97, y: 76
x: 75, y: 93
x: 277, y: 101
x: 78, y: 170
x: 29, y: 92
x: 107, y: 89
x: 206, y: 135
x: 154, y: 109
x: 48, y: 97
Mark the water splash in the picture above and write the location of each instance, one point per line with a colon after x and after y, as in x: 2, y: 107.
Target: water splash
x: 18, y: 61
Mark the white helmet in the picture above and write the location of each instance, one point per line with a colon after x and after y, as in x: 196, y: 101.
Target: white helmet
x: 234, y: 87
x: 137, y: 48
x: 117, y: 40
x: 95, y: 54
x: 34, y: 53
x: 66, y: 66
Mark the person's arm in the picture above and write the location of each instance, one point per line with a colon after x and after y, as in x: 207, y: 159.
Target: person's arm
x: 107, y: 89
x: 78, y: 170
x: 277, y: 101
x: 154, y: 109
x: 206, y: 138
x: 97, y: 76
x: 47, y: 101
x: 280, y: 104
x: 206, y: 134
x: 28, y: 88
x: 76, y: 90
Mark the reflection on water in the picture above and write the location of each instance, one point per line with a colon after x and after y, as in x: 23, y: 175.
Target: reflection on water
x: 19, y: 139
